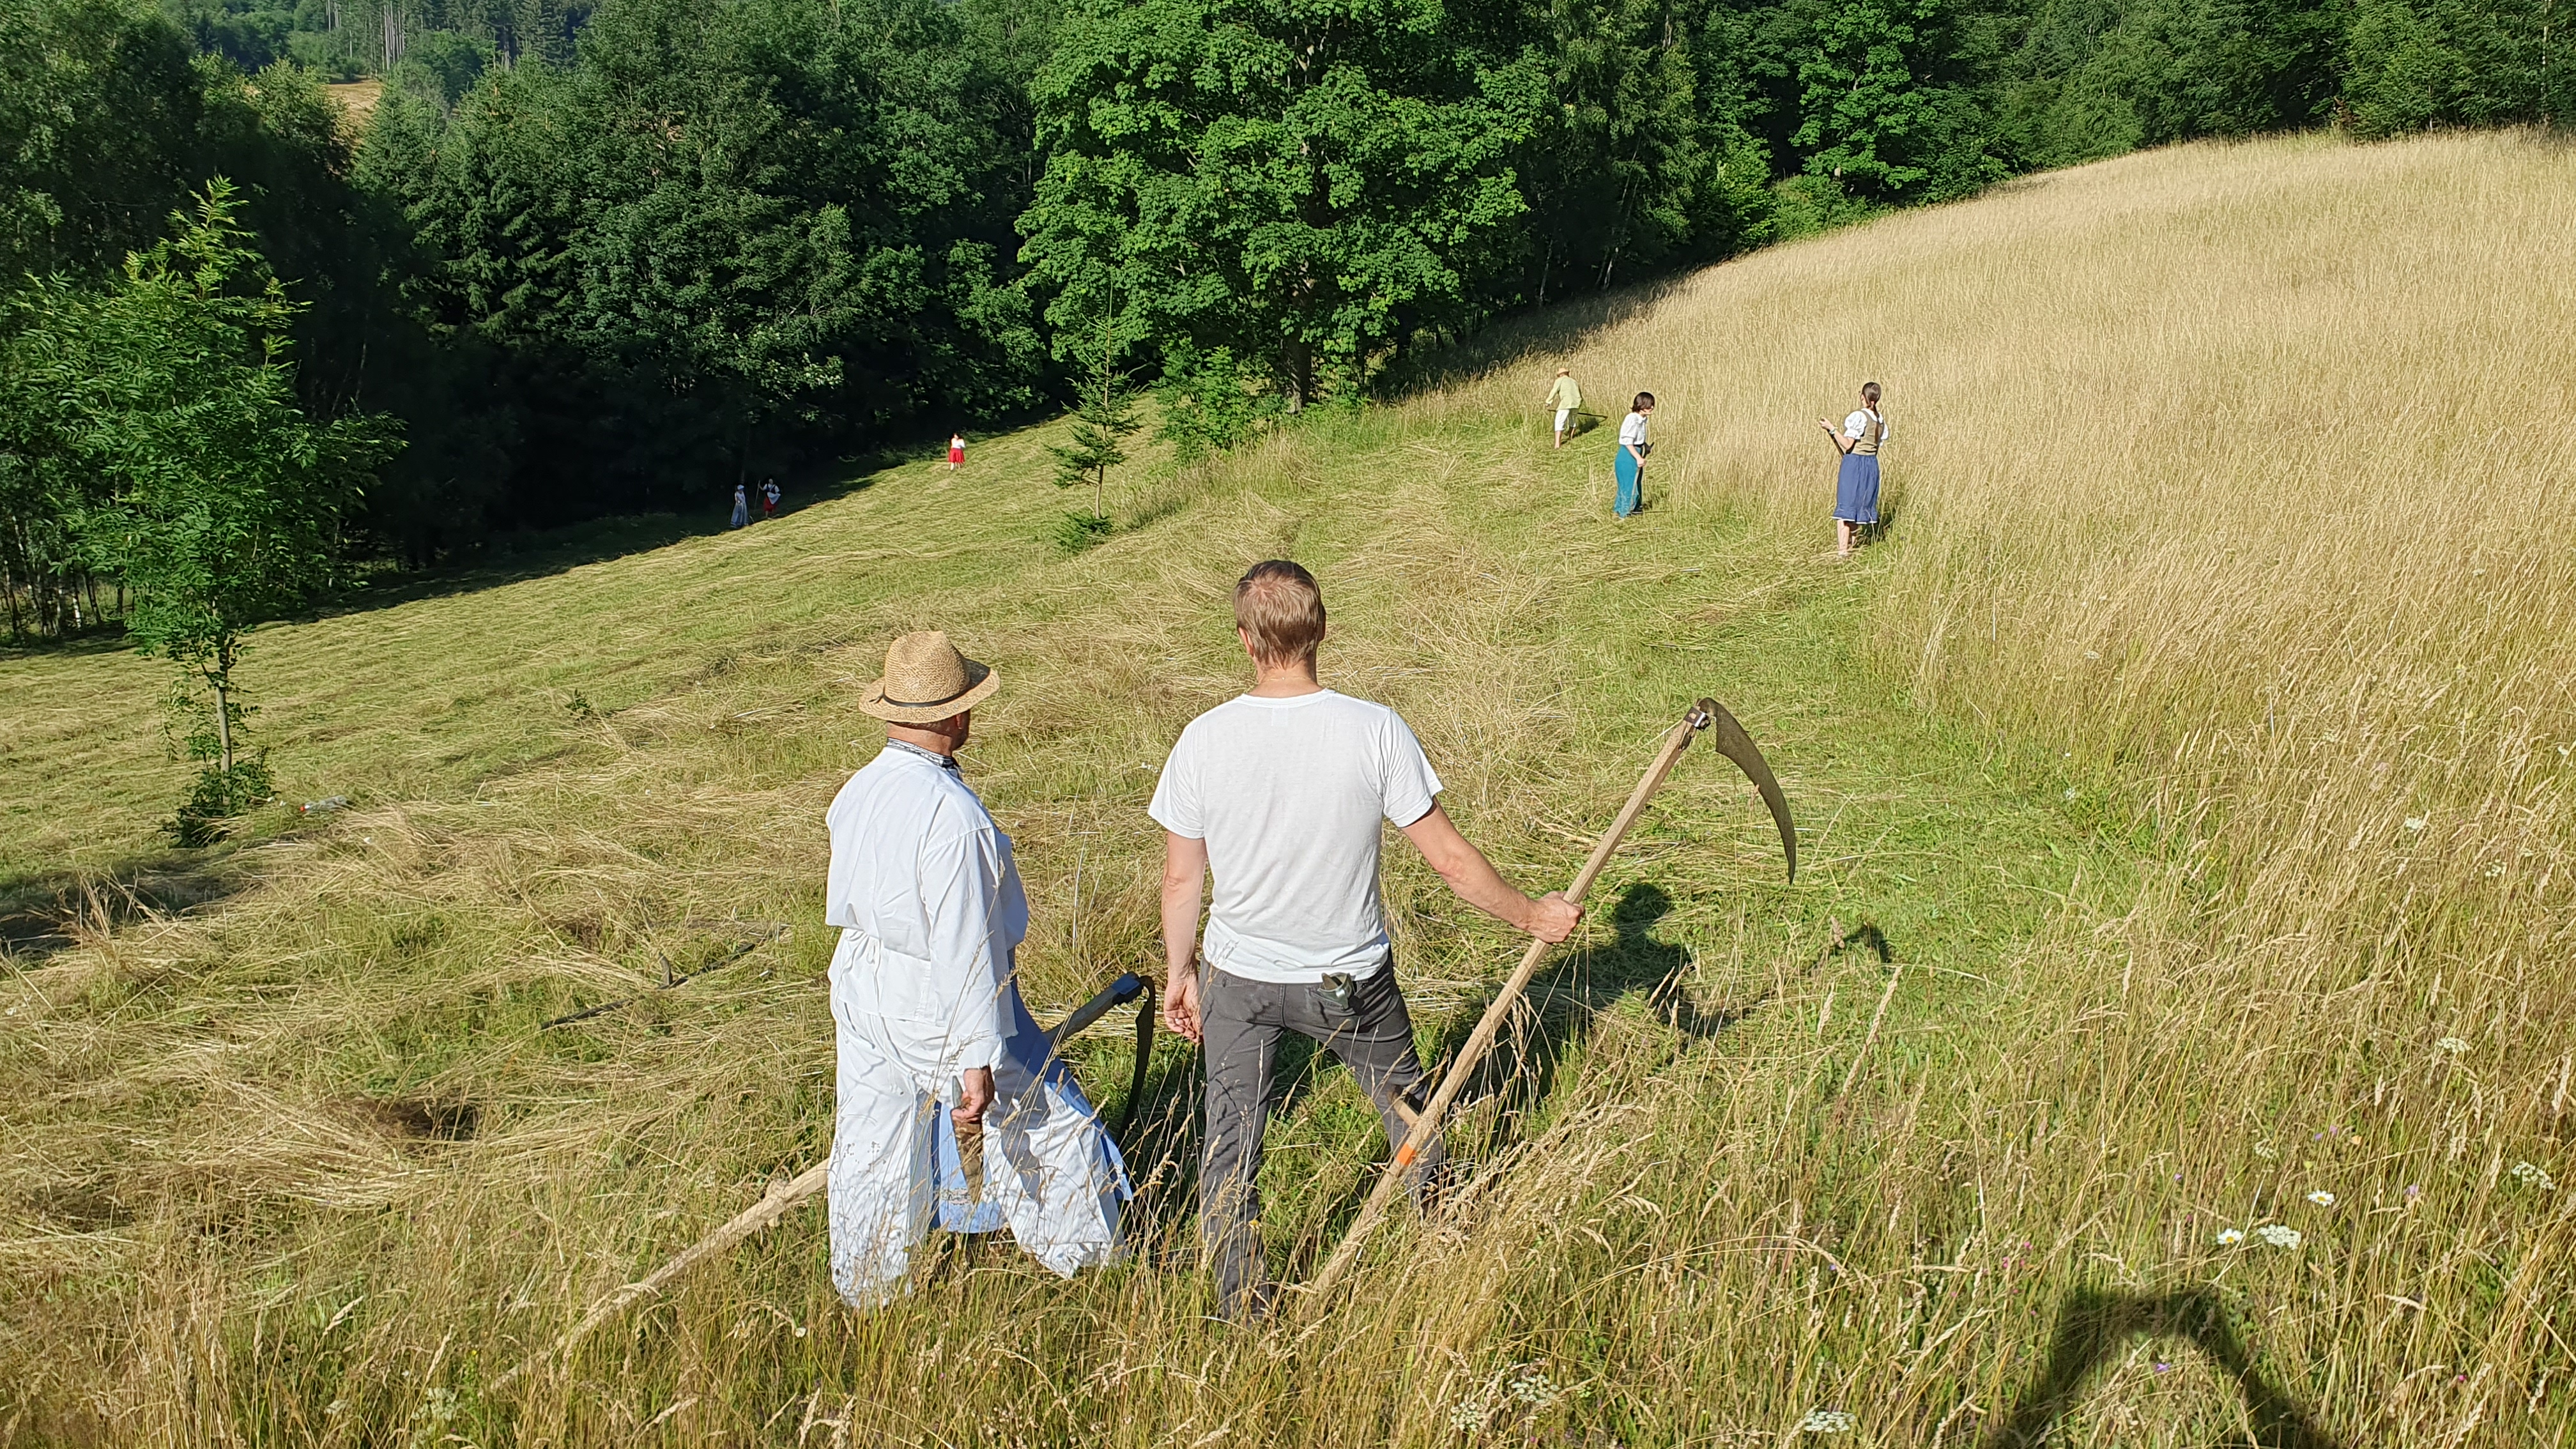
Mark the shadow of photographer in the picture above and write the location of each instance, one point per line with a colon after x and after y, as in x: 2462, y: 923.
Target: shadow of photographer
x: 2094, y: 1326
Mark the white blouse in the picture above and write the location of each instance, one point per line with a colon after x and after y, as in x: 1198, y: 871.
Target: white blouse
x: 1632, y: 430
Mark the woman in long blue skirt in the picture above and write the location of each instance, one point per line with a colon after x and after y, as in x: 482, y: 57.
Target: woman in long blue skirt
x: 1856, y: 487
x: 1630, y: 461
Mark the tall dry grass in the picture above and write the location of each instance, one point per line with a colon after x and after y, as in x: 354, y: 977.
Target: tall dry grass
x: 303, y: 1166
x: 2228, y: 473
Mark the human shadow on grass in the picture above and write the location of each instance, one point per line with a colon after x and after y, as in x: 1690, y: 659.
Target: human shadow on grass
x: 1158, y: 1134
x: 2094, y: 1327
x: 1536, y: 340
x: 48, y: 913
x: 1161, y: 1138
x: 1879, y: 532
x: 1558, y: 1016
x: 1563, y: 1006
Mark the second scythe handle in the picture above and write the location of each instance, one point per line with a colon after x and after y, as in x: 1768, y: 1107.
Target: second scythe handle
x: 1462, y: 1067
x: 774, y: 1204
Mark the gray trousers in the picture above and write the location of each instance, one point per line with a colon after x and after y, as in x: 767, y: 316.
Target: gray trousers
x: 1242, y: 1021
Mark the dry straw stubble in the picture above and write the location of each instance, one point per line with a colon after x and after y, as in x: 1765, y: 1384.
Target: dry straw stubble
x: 2245, y: 422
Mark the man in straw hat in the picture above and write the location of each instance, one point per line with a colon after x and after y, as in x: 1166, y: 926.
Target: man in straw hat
x: 926, y: 1010
x: 1279, y: 793
x: 1566, y: 396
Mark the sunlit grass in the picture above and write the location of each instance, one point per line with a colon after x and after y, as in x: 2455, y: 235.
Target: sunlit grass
x: 2187, y: 938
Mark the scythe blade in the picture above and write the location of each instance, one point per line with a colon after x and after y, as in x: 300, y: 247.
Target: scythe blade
x: 1736, y: 745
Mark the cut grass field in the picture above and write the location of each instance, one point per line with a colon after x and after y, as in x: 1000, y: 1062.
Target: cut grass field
x: 2197, y: 742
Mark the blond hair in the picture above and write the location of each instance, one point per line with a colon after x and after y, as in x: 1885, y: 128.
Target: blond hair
x: 1281, y: 611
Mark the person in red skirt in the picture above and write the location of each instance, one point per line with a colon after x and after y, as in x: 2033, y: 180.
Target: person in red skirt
x: 956, y: 451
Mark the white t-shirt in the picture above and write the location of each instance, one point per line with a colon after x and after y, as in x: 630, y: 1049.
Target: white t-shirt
x: 1288, y: 794
x: 1632, y: 429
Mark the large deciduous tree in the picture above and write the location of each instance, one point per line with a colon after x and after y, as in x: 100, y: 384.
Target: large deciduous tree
x: 1634, y: 167
x: 99, y: 119
x: 1881, y: 114
x: 1285, y: 190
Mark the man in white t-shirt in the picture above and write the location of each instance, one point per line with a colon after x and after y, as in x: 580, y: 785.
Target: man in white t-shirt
x: 1278, y: 793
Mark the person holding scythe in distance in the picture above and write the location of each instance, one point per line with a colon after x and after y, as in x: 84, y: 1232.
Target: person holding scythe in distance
x: 1278, y: 794
x: 1566, y: 396
x: 1630, y: 461
x: 926, y: 1010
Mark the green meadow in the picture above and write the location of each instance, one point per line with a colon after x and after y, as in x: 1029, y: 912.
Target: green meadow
x: 2086, y: 1086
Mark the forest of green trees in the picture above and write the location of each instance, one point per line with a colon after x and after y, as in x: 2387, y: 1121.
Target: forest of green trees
x: 590, y: 258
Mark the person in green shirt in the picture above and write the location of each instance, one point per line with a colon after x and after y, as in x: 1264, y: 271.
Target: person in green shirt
x: 1567, y: 398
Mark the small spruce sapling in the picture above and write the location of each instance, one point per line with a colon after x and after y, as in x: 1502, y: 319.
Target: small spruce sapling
x: 1104, y: 416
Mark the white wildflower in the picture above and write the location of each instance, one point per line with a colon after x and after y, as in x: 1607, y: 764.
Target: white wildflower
x: 2070, y: 792
x: 2230, y: 1237
x: 2532, y: 1174
x: 1827, y: 1421
x: 2279, y: 1235
x: 2322, y: 1199
x: 1530, y: 1384
x: 2264, y: 1150
x: 2495, y: 870
x: 2451, y: 1045
x: 2092, y: 653
x: 440, y: 1406
x: 2417, y: 822
x: 1534, y: 1388
x: 1472, y: 1411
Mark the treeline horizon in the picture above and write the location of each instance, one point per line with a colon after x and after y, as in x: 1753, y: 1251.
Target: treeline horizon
x: 606, y: 259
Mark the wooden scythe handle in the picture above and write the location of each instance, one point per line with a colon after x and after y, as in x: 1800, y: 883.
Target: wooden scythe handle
x: 774, y: 1203
x: 1462, y: 1067
x: 772, y: 1206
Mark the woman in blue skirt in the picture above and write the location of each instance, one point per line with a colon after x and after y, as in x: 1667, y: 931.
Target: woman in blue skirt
x: 1856, y: 491
x: 1631, y: 458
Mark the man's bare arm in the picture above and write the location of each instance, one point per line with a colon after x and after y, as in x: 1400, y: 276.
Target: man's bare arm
x: 1185, y: 864
x: 1550, y: 917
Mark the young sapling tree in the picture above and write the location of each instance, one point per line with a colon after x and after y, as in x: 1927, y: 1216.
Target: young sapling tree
x: 1104, y: 417
x: 218, y: 500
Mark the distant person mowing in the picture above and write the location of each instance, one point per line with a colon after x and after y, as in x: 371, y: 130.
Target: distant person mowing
x: 741, y: 509
x: 956, y: 451
x: 1278, y: 794
x: 1631, y: 458
x: 1856, y: 487
x: 769, y: 499
x: 1567, y: 398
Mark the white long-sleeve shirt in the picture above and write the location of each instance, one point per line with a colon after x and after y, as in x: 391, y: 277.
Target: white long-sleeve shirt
x: 919, y: 867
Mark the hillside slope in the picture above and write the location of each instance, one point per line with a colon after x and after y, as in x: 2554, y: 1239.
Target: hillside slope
x: 2196, y: 740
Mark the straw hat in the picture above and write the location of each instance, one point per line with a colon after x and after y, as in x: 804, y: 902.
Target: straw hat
x: 927, y: 680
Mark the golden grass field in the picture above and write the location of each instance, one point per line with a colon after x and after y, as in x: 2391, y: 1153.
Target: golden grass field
x: 2198, y: 739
